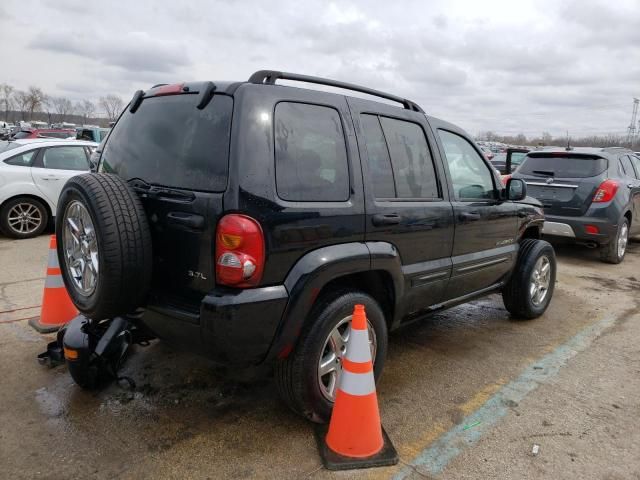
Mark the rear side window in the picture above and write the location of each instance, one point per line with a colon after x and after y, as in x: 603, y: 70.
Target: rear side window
x: 400, y: 161
x: 22, y: 160
x: 412, y: 164
x: 379, y: 160
x: 627, y: 168
x: 636, y: 163
x: 562, y: 166
x: 169, y: 142
x: 65, y: 158
x: 310, y: 153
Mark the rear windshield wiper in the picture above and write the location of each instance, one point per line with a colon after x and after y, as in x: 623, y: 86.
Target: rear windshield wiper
x: 548, y: 173
x: 170, y: 193
x: 140, y: 186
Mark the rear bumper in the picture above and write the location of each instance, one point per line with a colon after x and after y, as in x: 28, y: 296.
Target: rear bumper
x: 573, y: 228
x: 234, y: 327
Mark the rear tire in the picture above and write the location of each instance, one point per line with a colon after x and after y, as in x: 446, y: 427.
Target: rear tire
x: 34, y: 222
x: 297, y: 376
x: 118, y: 236
x: 614, y: 252
x: 517, y: 294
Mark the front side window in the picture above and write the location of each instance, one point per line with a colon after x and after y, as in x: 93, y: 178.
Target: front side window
x: 470, y: 175
x: 310, y: 153
x: 22, y: 160
x: 65, y: 158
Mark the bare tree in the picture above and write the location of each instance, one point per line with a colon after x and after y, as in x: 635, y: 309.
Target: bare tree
x: 63, y: 107
x: 6, y: 98
x: 22, y: 102
x: 48, y: 107
x: 112, y: 105
x: 35, y: 99
x: 85, y: 109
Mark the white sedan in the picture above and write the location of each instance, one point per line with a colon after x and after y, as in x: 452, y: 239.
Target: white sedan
x: 32, y: 174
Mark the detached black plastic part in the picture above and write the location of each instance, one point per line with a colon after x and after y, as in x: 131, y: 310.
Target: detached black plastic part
x: 332, y: 461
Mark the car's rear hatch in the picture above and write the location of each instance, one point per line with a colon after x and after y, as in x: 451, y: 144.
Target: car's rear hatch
x: 564, y: 182
x: 174, y: 151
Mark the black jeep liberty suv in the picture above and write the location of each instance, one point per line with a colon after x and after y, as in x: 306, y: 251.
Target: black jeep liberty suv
x: 244, y: 221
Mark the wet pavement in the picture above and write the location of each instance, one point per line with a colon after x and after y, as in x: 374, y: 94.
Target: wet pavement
x: 187, y: 419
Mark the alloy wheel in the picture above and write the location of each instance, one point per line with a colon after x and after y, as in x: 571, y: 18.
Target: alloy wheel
x: 24, y: 218
x: 335, y: 347
x: 540, y: 280
x: 80, y: 247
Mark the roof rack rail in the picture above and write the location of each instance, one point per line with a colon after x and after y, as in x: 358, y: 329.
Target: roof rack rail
x: 269, y: 77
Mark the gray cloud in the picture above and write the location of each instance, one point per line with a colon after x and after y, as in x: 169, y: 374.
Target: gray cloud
x: 133, y: 51
x: 527, y: 66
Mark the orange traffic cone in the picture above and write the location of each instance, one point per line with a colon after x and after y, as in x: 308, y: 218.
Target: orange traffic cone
x: 57, y: 308
x: 355, y: 438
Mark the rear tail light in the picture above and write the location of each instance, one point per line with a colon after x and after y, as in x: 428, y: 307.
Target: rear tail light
x: 606, y: 191
x: 592, y: 229
x: 173, y: 89
x: 240, y: 253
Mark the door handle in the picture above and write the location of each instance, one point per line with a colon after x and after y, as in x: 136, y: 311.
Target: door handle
x: 469, y: 216
x: 186, y: 220
x: 387, y: 219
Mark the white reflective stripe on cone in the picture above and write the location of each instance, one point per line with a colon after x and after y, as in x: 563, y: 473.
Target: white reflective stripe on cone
x: 53, y: 281
x: 53, y: 259
x: 357, y: 383
x: 358, y: 349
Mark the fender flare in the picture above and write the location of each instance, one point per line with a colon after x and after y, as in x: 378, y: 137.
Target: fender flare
x: 315, y: 270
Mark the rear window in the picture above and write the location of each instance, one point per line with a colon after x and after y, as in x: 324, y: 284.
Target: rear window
x: 19, y: 135
x: 55, y: 134
x: 563, y: 166
x: 5, y: 146
x: 169, y: 142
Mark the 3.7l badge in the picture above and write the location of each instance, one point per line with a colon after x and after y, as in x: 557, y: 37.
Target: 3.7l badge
x: 193, y: 274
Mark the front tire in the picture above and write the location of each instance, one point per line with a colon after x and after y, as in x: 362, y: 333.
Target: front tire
x: 529, y: 290
x: 300, y: 379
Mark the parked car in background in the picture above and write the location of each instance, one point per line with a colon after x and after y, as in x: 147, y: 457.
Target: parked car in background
x: 590, y: 195
x: 5, y: 130
x: 92, y: 134
x: 27, y: 132
x: 32, y: 174
x: 487, y: 152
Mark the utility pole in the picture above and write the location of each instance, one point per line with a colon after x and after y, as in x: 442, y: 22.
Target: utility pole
x: 631, y: 135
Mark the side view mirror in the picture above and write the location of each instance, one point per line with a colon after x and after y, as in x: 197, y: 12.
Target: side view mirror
x: 516, y: 189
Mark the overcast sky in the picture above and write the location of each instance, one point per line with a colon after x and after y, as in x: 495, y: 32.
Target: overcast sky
x: 507, y: 66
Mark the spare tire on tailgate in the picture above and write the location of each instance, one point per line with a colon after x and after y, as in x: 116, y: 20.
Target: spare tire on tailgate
x: 104, y: 245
